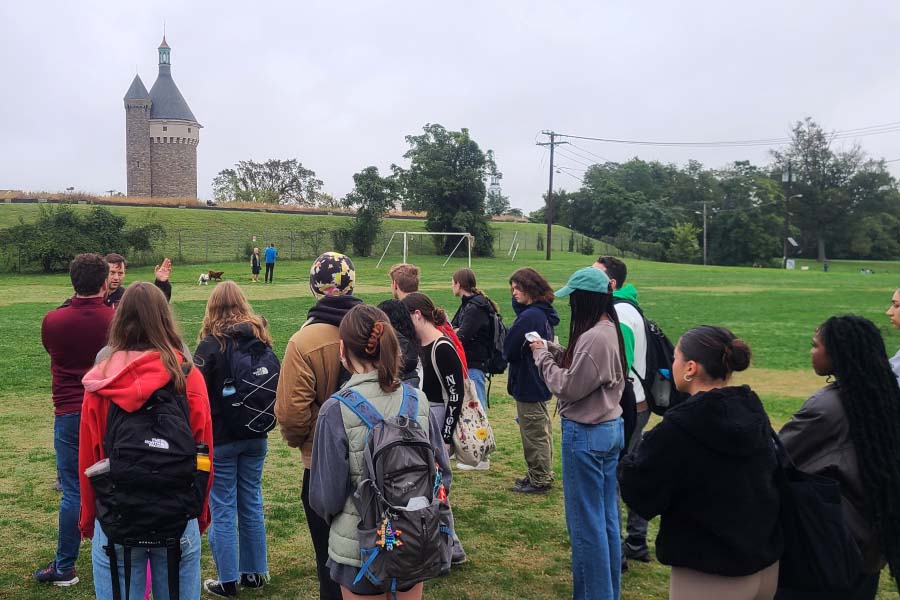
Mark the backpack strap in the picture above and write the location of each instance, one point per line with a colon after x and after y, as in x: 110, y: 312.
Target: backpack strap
x: 110, y: 550
x: 173, y: 560
x: 409, y: 407
x: 360, y: 406
x: 445, y: 397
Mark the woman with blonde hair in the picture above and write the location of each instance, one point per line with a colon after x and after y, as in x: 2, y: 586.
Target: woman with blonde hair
x: 229, y: 327
x: 145, y: 355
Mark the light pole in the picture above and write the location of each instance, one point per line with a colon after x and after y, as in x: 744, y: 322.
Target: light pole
x: 787, y: 226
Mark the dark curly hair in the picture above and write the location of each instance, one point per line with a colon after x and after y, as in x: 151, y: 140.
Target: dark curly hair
x: 870, y: 395
x: 532, y: 283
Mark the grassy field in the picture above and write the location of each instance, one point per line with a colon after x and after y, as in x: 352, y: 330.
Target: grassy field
x: 518, y: 546
x: 214, y: 237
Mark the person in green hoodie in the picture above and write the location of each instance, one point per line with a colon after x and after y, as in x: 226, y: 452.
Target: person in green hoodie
x: 631, y: 322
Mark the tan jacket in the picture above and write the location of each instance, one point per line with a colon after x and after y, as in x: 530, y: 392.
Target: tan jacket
x: 309, y: 375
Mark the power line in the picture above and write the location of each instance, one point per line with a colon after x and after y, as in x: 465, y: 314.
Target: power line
x: 573, y: 158
x: 580, y: 155
x: 603, y: 158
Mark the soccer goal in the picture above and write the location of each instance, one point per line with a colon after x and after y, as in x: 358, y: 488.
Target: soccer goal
x: 463, y: 237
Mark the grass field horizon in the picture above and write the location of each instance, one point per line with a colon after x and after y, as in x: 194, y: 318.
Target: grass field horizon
x: 518, y: 547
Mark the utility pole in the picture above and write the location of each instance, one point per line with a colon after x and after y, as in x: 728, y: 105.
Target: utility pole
x: 552, y: 143
x: 704, y: 233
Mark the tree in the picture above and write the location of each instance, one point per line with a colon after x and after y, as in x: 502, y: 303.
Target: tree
x: 684, y: 247
x: 271, y: 182
x: 446, y: 179
x: 61, y: 232
x: 496, y: 204
x: 821, y: 177
x: 372, y: 196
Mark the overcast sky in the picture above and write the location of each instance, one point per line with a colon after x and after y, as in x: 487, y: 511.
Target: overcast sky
x: 339, y: 84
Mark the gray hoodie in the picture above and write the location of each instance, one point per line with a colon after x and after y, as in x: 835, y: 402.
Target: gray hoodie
x: 589, y: 391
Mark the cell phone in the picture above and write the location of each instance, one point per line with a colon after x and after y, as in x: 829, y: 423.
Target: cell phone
x: 532, y: 336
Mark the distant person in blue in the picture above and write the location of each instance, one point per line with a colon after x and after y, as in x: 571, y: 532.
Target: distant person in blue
x: 271, y: 255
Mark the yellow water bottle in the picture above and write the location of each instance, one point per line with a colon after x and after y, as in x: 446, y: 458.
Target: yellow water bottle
x: 203, y: 463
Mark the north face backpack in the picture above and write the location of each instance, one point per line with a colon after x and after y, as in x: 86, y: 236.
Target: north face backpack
x: 659, y: 384
x: 155, y: 482
x: 404, y: 532
x: 254, y: 369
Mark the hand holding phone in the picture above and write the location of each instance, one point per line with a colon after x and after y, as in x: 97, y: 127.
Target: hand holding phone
x: 532, y: 336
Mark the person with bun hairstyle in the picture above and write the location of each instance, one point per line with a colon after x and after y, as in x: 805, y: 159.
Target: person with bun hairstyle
x: 588, y: 378
x: 849, y: 431
x: 237, y: 534
x: 369, y: 350
x: 709, y: 469
x: 144, y: 354
x: 474, y: 328
x: 532, y: 301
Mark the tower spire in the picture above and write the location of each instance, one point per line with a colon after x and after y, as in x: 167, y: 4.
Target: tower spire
x: 164, y: 52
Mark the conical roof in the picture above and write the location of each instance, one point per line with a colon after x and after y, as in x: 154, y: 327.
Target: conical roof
x: 164, y: 44
x: 137, y: 91
x: 167, y: 101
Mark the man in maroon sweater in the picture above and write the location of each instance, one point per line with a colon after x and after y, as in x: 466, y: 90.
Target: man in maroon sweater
x: 73, y: 334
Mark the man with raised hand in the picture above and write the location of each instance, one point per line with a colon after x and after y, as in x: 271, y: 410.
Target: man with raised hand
x: 625, y: 297
x: 116, y: 281
x: 73, y: 334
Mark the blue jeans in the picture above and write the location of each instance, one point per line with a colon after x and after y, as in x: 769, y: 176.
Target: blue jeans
x: 235, y: 504
x: 188, y: 570
x: 65, y: 442
x: 477, y: 377
x: 590, y: 454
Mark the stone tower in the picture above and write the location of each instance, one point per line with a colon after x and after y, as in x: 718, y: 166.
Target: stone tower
x: 161, y: 136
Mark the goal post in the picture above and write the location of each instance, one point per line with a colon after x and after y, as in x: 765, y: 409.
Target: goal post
x: 463, y: 237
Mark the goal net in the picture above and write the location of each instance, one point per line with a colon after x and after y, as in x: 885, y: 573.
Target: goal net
x: 403, y: 237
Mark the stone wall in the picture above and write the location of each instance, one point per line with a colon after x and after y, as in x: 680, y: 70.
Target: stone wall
x: 137, y: 147
x: 174, y: 168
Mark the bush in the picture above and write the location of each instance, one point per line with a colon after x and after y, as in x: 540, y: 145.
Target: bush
x: 587, y: 246
x: 341, y: 238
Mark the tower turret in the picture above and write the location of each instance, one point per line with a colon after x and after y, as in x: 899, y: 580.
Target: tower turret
x: 137, y: 139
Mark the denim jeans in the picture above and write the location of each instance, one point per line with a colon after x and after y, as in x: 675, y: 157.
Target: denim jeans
x: 188, y: 570
x: 590, y: 454
x: 236, y: 505
x: 477, y: 377
x: 65, y: 442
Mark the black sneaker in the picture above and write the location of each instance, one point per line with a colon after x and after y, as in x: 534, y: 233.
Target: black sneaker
x: 254, y: 581
x: 521, y: 481
x: 223, y: 589
x: 639, y: 552
x: 50, y: 574
x: 530, y: 488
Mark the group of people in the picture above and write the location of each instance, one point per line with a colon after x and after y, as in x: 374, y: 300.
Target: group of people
x: 710, y: 469
x: 269, y: 256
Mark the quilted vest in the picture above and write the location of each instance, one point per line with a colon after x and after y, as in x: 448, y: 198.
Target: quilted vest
x: 343, y: 543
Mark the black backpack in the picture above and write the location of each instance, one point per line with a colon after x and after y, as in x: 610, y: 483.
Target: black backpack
x: 496, y: 364
x: 254, y: 370
x: 153, y: 484
x: 404, y: 532
x: 659, y: 384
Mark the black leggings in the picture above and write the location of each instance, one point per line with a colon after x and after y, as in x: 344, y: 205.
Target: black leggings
x: 318, y: 531
x: 270, y: 272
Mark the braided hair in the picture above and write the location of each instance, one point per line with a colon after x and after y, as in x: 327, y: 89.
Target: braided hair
x: 587, y: 310
x: 870, y: 395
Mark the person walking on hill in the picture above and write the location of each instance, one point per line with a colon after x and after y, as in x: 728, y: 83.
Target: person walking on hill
x: 405, y: 281
x: 849, y: 431
x: 271, y: 255
x: 254, y: 266
x: 237, y: 534
x: 588, y: 378
x: 73, y: 334
x: 709, y: 469
x: 631, y: 322
x: 371, y: 353
x: 145, y: 355
x: 310, y: 373
x: 532, y: 301
x: 473, y: 325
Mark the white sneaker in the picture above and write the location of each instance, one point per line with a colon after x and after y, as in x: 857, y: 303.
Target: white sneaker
x: 484, y: 465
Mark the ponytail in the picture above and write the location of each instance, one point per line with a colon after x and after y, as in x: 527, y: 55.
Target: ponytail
x: 369, y: 337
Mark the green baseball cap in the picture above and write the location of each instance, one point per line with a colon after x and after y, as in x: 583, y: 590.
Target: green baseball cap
x: 588, y: 279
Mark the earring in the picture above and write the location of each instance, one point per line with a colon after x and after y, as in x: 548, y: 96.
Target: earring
x: 688, y: 379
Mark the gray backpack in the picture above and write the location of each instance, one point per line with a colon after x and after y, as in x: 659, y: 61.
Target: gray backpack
x: 404, y: 536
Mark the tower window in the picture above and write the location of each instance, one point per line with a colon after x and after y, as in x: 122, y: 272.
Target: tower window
x: 189, y: 129
x: 165, y: 140
x: 165, y: 128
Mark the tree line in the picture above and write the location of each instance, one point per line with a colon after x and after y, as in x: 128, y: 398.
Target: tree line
x: 838, y: 203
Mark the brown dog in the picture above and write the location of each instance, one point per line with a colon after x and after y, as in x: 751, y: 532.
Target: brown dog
x: 216, y: 275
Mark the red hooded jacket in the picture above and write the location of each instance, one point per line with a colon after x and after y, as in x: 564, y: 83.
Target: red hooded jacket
x: 128, y: 379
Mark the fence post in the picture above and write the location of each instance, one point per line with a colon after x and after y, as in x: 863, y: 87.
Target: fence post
x: 180, y: 255
x: 292, y: 244
x: 207, y: 246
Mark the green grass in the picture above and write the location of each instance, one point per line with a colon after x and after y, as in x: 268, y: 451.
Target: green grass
x: 518, y: 547
x: 212, y: 237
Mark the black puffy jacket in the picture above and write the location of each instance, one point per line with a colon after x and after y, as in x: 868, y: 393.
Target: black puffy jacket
x: 473, y: 322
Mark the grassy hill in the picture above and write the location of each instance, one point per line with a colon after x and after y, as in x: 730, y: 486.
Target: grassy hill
x: 216, y: 236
